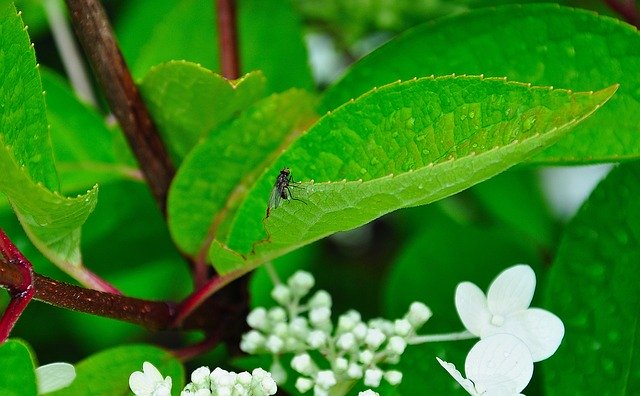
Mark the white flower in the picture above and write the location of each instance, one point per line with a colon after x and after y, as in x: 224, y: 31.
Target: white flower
x: 505, y: 309
x: 368, y: 392
x: 149, y: 382
x: 54, y: 376
x: 499, y: 365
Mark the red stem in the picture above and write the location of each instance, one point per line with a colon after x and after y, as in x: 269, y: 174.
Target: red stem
x: 96, y: 36
x: 228, y: 39
x: 21, y: 292
x: 627, y: 10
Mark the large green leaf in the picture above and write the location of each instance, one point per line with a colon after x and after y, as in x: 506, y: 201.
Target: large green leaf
x: 107, y: 372
x: 405, y: 144
x: 541, y: 44
x: 594, y: 287
x: 18, y: 368
x: 23, y: 122
x: 202, y: 195
x: 52, y: 221
x: 187, y: 101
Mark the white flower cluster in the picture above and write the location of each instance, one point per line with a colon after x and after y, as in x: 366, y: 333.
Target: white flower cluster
x: 353, y: 349
x: 220, y: 382
x: 204, y: 382
x: 512, y: 335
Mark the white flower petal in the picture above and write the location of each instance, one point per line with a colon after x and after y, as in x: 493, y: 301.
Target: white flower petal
x: 151, y: 372
x: 540, y: 330
x: 140, y: 384
x: 472, y: 308
x: 512, y: 290
x: 500, y: 362
x: 451, y: 369
x: 54, y: 376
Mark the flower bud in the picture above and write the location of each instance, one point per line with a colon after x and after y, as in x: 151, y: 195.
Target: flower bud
x: 321, y: 299
x: 393, y: 377
x: 372, y: 377
x: 281, y: 294
x: 418, y: 314
x: 301, y: 283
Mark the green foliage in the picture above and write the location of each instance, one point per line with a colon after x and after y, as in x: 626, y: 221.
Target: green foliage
x: 26, y: 162
x: 188, y: 101
x: 18, y: 368
x: 270, y: 38
x: 23, y: 124
x: 542, y: 44
x: 594, y: 287
x: 402, y: 145
x: 201, y: 195
x: 107, y: 372
x: 529, y: 84
x: 83, y: 145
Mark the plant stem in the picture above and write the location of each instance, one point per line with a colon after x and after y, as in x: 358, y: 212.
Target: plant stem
x: 150, y: 314
x: 191, y: 303
x: 96, y: 36
x: 69, y: 52
x: 463, y: 335
x: 627, y: 9
x: 21, y: 291
x: 228, y: 39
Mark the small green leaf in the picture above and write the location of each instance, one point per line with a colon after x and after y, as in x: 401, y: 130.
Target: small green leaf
x: 201, y: 195
x: 26, y: 164
x: 23, y: 122
x: 405, y: 144
x: 594, y: 287
x: 188, y: 101
x: 542, y: 44
x: 18, y: 368
x: 107, y: 372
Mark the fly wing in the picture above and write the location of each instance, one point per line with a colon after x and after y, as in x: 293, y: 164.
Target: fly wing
x: 274, y: 198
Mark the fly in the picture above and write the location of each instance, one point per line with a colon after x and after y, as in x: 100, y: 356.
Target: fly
x: 281, y: 190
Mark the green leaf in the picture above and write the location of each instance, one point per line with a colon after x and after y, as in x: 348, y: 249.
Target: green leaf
x: 18, y: 368
x: 188, y: 101
x: 405, y: 144
x: 26, y: 164
x: 107, y: 372
x: 23, y: 122
x: 202, y: 195
x: 594, y: 287
x: 84, y: 146
x: 515, y: 198
x: 541, y: 44
x: 269, y: 38
x: 148, y: 33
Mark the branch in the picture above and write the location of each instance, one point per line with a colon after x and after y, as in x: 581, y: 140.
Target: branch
x: 96, y: 36
x: 150, y: 314
x: 626, y: 9
x: 228, y: 39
